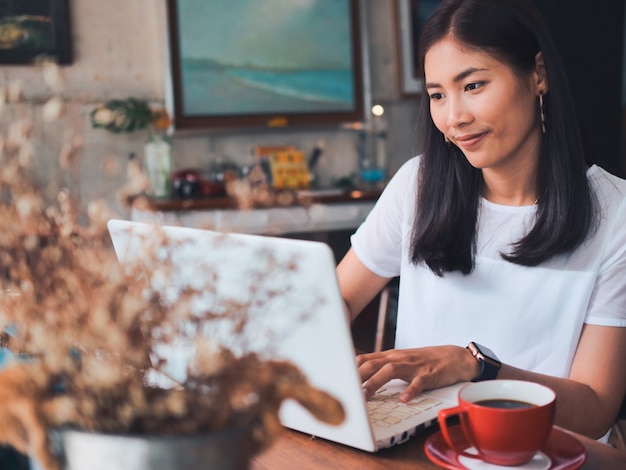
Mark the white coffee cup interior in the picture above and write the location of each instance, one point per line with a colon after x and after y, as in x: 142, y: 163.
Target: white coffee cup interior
x: 517, y: 390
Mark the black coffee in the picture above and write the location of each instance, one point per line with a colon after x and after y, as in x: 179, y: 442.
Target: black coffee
x: 506, y: 404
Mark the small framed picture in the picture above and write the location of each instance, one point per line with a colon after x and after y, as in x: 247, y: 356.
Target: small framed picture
x: 34, y: 29
x: 411, y: 15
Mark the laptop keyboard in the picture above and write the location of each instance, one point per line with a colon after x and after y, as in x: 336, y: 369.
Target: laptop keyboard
x: 386, y: 410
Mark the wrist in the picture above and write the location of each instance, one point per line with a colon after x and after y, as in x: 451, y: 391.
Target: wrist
x: 473, y: 366
x: 488, y: 362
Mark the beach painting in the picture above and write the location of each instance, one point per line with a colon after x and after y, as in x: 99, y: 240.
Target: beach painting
x: 270, y: 57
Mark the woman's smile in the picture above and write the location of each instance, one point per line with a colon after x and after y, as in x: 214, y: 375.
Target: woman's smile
x: 470, y: 141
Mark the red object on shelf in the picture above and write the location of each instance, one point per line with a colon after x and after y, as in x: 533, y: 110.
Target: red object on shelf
x: 190, y: 184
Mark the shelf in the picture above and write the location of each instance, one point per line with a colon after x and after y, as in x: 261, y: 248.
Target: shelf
x: 278, y: 199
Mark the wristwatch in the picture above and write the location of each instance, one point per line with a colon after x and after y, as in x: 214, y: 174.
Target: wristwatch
x: 489, y: 362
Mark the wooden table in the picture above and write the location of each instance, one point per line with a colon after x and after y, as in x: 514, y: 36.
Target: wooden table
x: 294, y: 450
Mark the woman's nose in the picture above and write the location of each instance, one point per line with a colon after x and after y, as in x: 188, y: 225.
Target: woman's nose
x: 458, y: 113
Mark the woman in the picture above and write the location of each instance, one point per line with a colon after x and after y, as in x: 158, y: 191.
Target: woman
x: 501, y: 234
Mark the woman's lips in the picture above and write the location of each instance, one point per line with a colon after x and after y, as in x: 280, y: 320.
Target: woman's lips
x: 470, y: 141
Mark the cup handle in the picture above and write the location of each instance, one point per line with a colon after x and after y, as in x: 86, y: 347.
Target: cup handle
x: 442, y: 417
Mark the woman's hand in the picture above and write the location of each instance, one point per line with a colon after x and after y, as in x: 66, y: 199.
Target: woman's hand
x: 423, y: 368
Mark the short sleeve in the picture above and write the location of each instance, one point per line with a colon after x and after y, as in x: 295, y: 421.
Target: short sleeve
x: 379, y: 241
x: 607, y: 306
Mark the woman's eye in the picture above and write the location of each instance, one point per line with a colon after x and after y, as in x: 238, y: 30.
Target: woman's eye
x: 436, y: 96
x: 473, y: 86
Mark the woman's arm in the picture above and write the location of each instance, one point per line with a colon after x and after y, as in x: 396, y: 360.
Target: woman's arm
x: 357, y: 283
x: 587, y: 402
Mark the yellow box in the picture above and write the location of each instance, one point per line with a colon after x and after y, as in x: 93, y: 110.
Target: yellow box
x: 289, y: 169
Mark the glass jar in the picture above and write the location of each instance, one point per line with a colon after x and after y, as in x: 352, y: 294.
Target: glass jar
x: 158, y: 164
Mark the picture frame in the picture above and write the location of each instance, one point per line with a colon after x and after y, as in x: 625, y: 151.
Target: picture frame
x: 32, y: 29
x: 276, y: 63
x: 411, y: 15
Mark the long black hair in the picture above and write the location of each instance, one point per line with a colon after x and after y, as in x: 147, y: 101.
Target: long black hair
x: 449, y: 188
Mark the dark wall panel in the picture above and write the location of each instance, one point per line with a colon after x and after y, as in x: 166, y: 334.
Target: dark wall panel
x: 589, y: 35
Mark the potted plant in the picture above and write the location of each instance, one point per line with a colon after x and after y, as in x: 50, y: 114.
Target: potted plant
x: 130, y: 115
x: 87, y: 335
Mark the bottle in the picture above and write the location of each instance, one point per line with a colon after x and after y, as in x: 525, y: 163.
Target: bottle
x: 158, y: 163
x: 373, y: 151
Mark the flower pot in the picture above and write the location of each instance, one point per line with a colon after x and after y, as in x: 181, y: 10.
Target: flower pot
x: 230, y: 449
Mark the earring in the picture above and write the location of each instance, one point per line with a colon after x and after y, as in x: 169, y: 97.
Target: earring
x: 542, y: 113
x: 445, y: 138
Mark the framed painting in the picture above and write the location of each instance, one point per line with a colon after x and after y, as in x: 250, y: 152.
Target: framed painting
x: 31, y: 29
x: 246, y: 63
x: 411, y: 16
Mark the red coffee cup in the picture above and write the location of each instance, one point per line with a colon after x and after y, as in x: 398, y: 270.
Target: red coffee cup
x: 506, y: 421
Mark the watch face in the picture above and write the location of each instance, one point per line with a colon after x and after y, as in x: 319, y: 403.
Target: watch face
x: 485, y: 351
x: 485, y: 354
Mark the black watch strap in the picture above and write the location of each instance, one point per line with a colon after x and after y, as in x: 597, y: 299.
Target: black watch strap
x: 489, y: 362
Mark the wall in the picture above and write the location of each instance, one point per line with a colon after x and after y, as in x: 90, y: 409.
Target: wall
x: 590, y: 40
x: 119, y: 52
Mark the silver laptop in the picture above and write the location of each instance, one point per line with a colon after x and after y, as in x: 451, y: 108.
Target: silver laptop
x: 305, y: 324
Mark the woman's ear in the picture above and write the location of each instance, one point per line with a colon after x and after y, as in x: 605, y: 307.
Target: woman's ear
x: 540, y: 75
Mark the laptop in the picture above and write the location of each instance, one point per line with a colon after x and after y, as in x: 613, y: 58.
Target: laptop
x: 305, y: 324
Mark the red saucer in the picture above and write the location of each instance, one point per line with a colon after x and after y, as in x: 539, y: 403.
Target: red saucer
x: 564, y: 451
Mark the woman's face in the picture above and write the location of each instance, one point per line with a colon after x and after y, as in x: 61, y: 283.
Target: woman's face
x: 483, y: 107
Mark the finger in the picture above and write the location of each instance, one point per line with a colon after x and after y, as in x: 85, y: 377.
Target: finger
x: 363, y: 358
x: 368, y: 368
x: 415, y: 387
x: 380, y: 378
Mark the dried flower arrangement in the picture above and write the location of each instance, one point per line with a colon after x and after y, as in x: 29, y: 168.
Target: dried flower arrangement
x: 87, y: 332
x: 129, y: 115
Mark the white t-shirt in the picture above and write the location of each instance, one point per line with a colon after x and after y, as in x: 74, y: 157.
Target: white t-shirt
x: 531, y: 317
